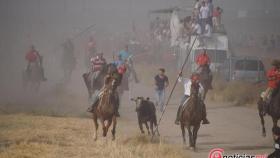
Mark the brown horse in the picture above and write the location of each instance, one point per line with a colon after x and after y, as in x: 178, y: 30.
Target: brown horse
x: 273, y: 109
x: 192, y: 116
x: 105, y: 111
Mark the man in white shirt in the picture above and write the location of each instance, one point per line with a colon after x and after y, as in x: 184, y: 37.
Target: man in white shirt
x: 187, y: 92
x: 204, y: 14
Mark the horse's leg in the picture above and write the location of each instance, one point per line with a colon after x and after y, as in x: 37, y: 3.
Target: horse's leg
x: 190, y: 137
x: 103, y: 127
x: 141, y: 126
x: 152, y: 127
x: 147, y: 127
x: 95, y: 125
x: 195, y: 131
x: 262, y: 122
x: 183, y: 133
x: 108, y: 126
x: 114, y: 127
x: 275, y: 121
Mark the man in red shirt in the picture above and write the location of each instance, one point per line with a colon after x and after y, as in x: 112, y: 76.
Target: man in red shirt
x: 34, y: 58
x: 273, y: 76
x: 203, y: 59
x: 203, y: 62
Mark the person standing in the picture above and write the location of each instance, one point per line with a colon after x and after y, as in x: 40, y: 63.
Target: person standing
x: 161, y: 82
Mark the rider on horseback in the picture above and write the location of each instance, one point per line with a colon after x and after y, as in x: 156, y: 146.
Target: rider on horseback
x: 34, y: 58
x: 111, y: 80
x: 203, y: 62
x: 187, y: 93
x: 97, y: 65
x: 273, y: 76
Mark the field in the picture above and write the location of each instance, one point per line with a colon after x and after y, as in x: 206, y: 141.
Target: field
x: 27, y: 136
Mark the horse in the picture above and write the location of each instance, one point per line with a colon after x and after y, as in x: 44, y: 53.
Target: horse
x: 205, y: 80
x: 146, y: 112
x: 192, y: 116
x: 273, y: 109
x: 106, y: 110
x: 32, y: 77
x: 97, y: 83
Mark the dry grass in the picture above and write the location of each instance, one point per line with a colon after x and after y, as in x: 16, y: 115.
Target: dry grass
x: 25, y: 136
x: 237, y: 92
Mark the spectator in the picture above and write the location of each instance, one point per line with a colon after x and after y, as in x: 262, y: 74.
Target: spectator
x: 216, y: 18
x: 196, y: 30
x: 211, y: 9
x: 204, y: 14
x: 161, y: 82
x: 197, y: 4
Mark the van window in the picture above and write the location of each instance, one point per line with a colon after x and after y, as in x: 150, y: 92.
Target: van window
x: 249, y: 65
x: 216, y: 56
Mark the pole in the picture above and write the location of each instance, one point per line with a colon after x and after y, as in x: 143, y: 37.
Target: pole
x: 174, y: 86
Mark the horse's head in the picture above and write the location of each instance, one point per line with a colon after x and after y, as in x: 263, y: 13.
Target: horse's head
x: 195, y: 89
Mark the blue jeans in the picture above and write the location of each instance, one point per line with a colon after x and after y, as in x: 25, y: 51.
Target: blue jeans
x: 160, y: 97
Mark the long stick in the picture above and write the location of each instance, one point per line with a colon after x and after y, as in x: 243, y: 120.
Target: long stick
x: 174, y: 86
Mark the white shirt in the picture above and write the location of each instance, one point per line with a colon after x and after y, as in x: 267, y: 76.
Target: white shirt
x: 204, y: 12
x: 208, y: 30
x: 197, y: 28
x: 187, y: 86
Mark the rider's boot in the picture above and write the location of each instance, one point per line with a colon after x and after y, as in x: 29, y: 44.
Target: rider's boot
x: 178, y: 116
x: 204, y: 118
x: 94, y: 104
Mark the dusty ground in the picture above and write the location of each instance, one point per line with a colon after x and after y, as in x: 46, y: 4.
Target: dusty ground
x: 236, y: 129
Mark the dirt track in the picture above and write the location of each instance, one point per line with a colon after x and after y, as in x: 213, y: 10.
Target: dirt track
x: 235, y: 129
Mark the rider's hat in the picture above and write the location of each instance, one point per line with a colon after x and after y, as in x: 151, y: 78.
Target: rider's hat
x: 276, y: 130
x: 275, y: 62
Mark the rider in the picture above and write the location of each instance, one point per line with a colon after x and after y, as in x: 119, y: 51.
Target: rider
x: 187, y: 93
x: 107, y: 84
x: 125, y: 56
x: 273, y: 76
x: 203, y: 62
x: 33, y: 57
x: 97, y: 64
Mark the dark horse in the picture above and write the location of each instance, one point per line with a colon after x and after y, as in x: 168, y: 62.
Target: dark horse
x: 192, y: 116
x: 273, y: 109
x: 205, y: 79
x: 32, y: 77
x: 97, y: 84
x: 105, y: 110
